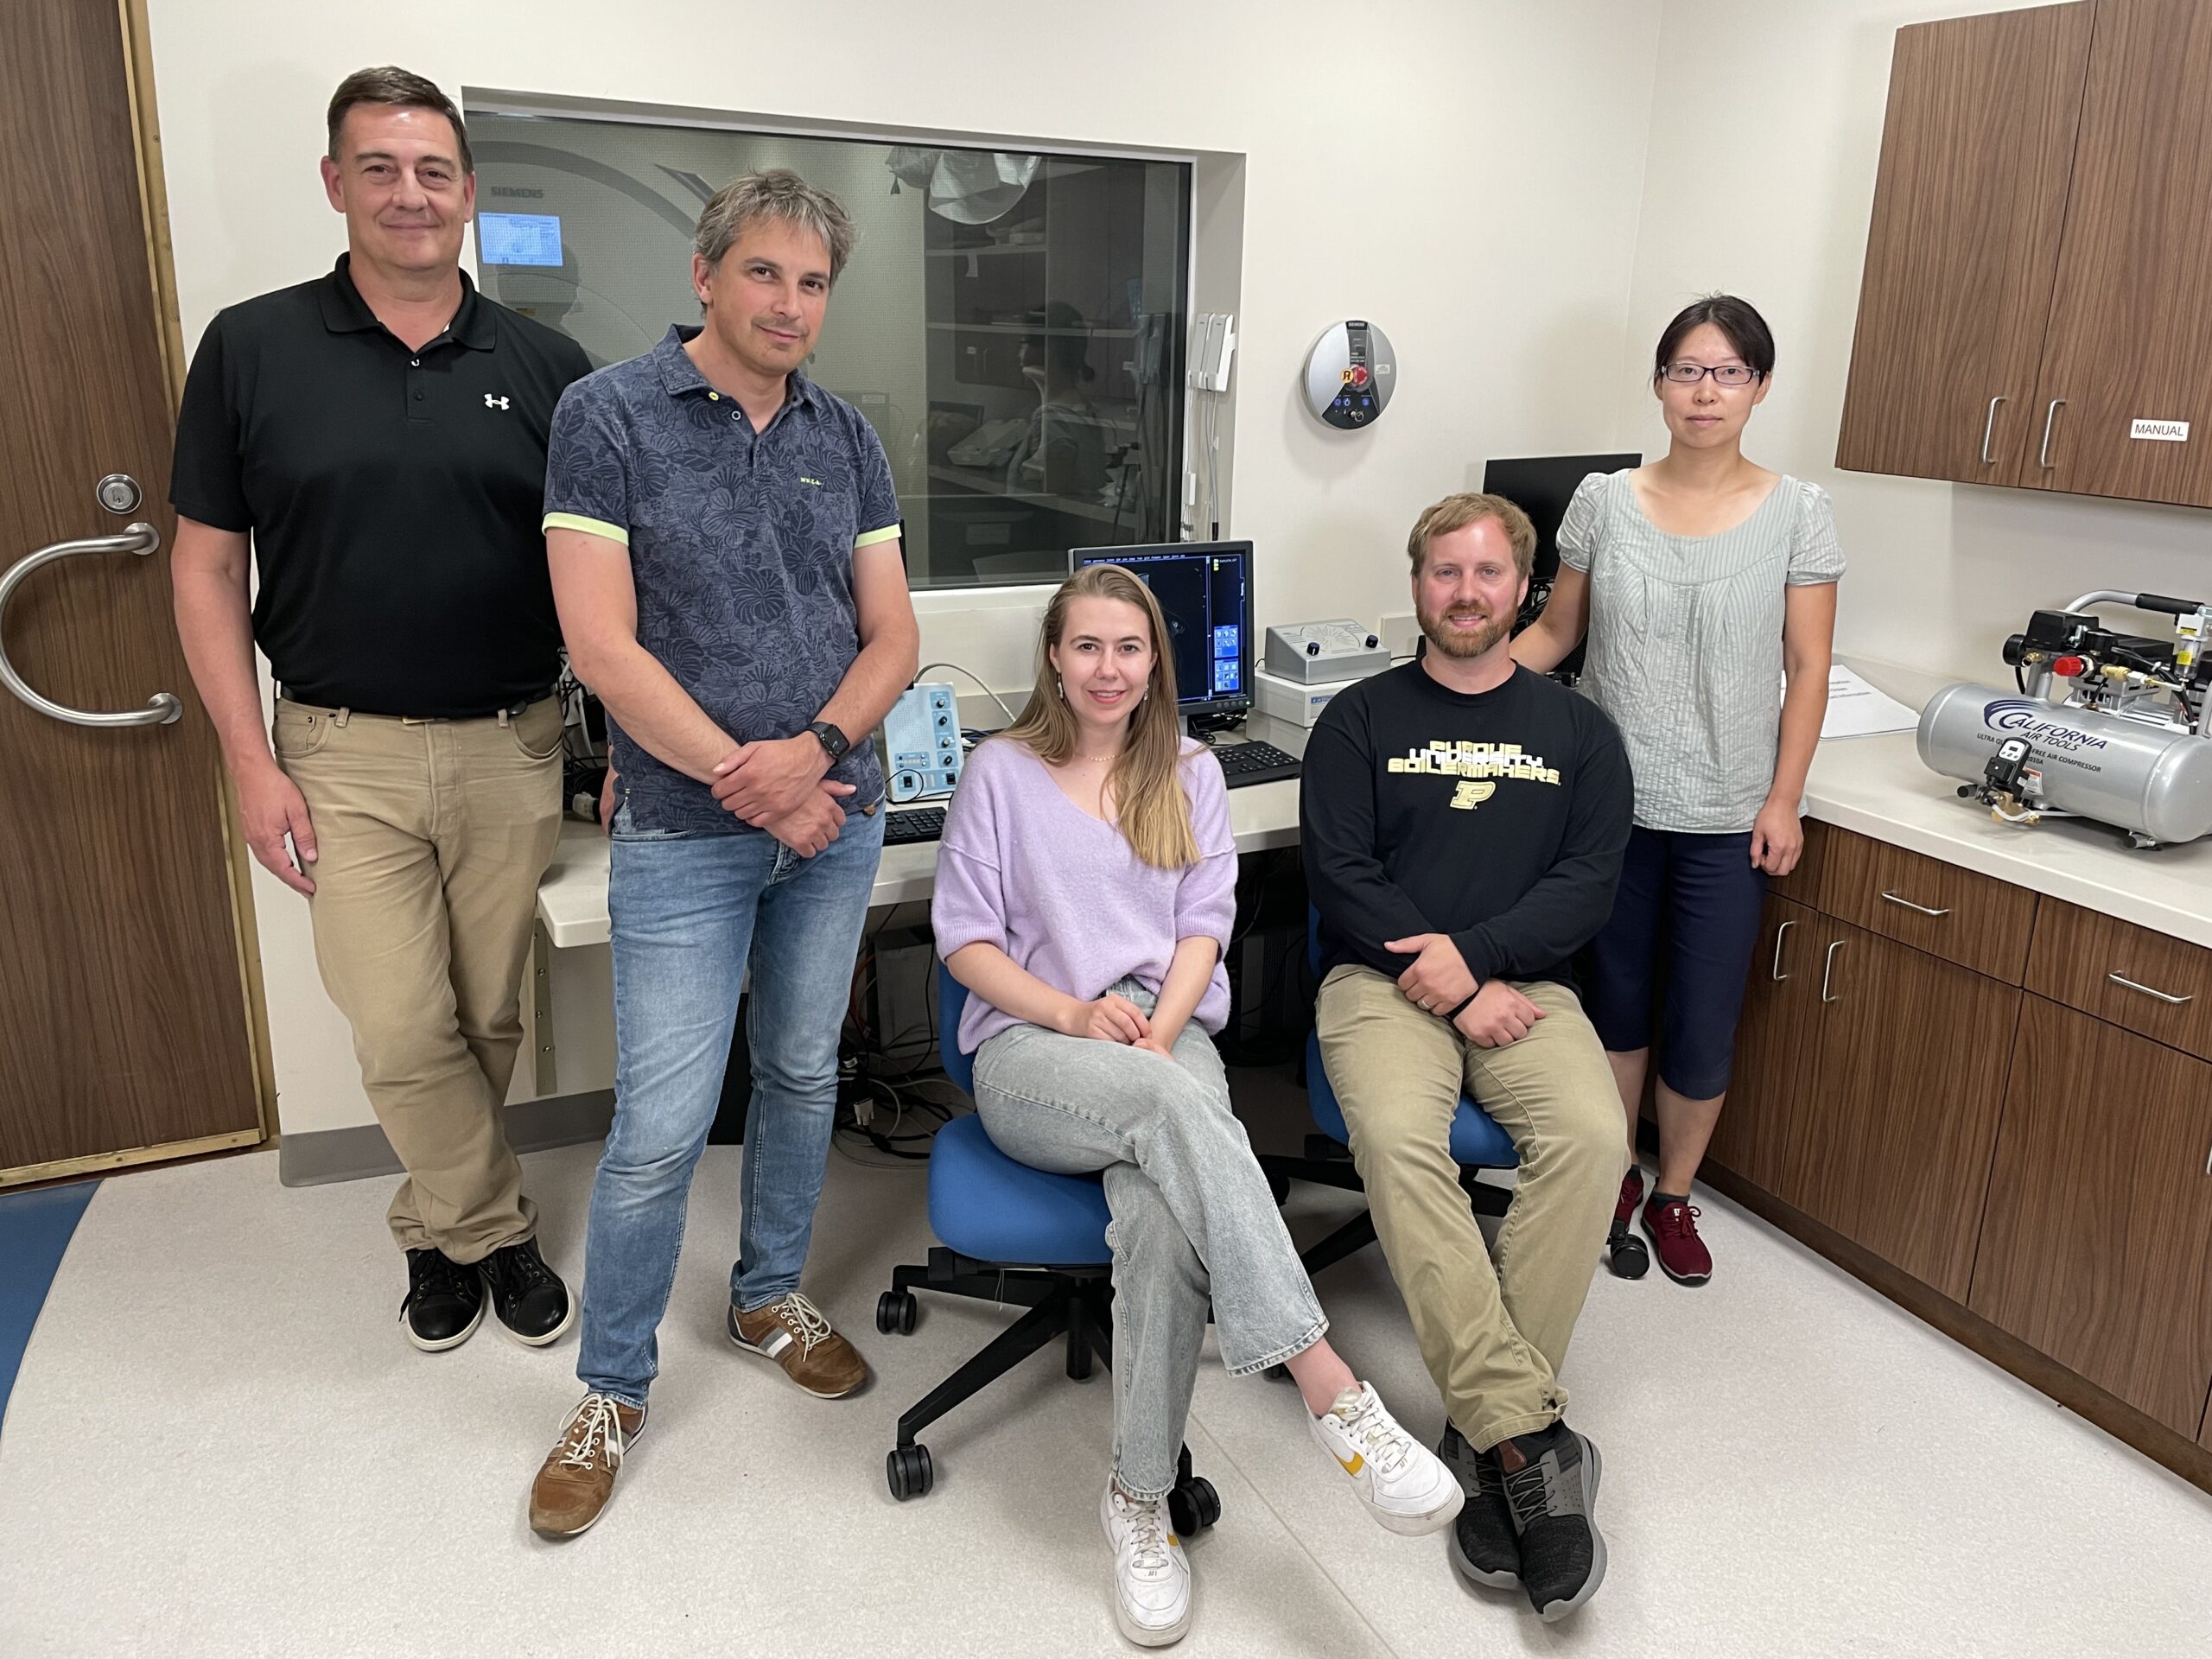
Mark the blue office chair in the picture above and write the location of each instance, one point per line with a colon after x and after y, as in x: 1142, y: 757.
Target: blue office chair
x: 1477, y: 1142
x: 1010, y: 1233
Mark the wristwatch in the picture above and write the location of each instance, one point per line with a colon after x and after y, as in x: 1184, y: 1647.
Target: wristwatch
x: 831, y: 739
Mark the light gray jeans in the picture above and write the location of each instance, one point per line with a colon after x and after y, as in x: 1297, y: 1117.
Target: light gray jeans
x: 1192, y: 1217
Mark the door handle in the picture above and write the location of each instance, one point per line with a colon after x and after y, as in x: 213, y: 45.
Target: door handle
x: 1780, y: 934
x: 161, y: 708
x: 2162, y: 996
x: 1828, y: 967
x: 1909, y: 905
x: 1988, y: 427
x: 2051, y: 417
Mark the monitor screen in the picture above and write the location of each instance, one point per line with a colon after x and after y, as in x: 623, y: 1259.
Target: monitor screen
x: 1542, y: 486
x: 520, y: 239
x: 1205, y: 590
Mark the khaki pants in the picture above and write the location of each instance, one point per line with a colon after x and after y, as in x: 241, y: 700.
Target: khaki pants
x: 432, y: 836
x: 1493, y: 1333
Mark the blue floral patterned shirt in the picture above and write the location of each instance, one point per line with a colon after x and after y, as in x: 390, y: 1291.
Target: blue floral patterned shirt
x: 742, y: 546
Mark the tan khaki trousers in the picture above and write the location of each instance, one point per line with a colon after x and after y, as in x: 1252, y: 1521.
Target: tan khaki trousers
x: 432, y: 836
x: 1493, y: 1331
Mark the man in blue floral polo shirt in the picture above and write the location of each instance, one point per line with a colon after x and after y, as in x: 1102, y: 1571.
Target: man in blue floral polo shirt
x: 726, y: 556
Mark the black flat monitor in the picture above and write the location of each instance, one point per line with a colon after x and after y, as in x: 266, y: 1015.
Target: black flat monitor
x: 1542, y: 486
x: 1205, y: 590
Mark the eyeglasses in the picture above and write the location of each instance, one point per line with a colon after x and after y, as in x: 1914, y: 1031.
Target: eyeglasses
x: 1727, y: 374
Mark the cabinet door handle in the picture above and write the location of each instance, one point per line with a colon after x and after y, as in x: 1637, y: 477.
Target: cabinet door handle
x: 1988, y: 427
x: 1828, y: 967
x: 1781, y: 933
x: 2051, y: 417
x: 1909, y: 905
x: 2162, y: 996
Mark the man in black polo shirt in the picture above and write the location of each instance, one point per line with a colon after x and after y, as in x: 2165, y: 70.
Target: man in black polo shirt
x: 379, y: 437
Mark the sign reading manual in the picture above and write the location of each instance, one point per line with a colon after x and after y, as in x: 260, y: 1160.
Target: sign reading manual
x: 520, y: 239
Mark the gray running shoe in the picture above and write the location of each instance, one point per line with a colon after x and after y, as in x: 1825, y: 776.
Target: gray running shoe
x: 1484, y: 1546
x: 1553, y: 1498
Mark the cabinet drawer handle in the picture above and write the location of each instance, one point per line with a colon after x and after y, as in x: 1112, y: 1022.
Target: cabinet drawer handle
x: 2050, y: 419
x: 1989, y: 426
x: 1909, y: 905
x: 1780, y: 934
x: 1828, y: 967
x: 2162, y: 996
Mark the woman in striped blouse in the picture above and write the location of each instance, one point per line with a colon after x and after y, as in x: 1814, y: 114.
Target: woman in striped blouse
x: 1703, y: 580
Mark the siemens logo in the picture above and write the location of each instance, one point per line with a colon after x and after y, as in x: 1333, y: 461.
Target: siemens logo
x: 522, y: 192
x: 2026, y: 717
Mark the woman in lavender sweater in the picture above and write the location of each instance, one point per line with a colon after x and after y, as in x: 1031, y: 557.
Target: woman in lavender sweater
x: 1085, y: 886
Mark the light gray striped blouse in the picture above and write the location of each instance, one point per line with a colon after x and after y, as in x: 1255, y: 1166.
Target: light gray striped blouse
x: 1686, y: 642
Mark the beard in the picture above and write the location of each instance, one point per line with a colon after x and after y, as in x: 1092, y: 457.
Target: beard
x: 1459, y: 644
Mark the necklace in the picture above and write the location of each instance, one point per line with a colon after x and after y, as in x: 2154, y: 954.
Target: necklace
x: 1093, y: 760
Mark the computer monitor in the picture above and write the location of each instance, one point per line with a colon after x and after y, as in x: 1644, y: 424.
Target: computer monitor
x: 1542, y: 486
x: 1205, y: 590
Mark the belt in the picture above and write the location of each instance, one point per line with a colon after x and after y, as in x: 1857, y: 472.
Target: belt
x: 512, y: 711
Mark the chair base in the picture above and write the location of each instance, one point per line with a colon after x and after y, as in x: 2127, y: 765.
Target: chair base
x: 1328, y: 1163
x: 1076, y: 1303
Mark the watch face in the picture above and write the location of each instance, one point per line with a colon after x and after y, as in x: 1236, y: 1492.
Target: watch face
x: 832, y: 740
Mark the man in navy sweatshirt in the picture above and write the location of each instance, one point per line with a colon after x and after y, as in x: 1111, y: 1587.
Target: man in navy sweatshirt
x: 1464, y: 820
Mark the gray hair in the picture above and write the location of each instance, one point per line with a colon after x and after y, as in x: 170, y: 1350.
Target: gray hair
x: 776, y: 192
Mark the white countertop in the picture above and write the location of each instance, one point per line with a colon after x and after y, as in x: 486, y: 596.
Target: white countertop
x: 1875, y: 785
x: 1878, y: 786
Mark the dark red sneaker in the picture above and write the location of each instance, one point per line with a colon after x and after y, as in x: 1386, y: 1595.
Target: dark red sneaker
x: 1682, y: 1255
x: 1625, y: 1251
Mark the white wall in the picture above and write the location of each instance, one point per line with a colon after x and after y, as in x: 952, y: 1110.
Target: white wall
x: 1482, y: 208
x: 1766, y: 126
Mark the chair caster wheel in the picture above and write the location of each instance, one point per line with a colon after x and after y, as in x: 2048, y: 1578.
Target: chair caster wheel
x: 1625, y: 1253
x: 910, y: 1471
x: 1276, y: 1373
x: 895, y: 1313
x: 1194, y: 1505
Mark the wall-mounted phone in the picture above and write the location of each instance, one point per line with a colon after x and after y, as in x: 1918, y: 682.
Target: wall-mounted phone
x: 1213, y: 344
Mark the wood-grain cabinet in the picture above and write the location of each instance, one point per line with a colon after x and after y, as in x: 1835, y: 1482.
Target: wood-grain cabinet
x: 2035, y: 309
x: 2006, y: 1098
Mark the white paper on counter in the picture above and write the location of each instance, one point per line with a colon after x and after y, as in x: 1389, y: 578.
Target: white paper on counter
x: 1857, y: 710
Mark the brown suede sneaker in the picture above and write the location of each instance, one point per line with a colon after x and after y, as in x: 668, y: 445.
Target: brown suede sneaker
x: 793, y: 1333
x: 578, y: 1475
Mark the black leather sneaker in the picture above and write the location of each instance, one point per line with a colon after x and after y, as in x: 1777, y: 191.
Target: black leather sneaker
x: 1553, y: 1497
x: 534, y: 1306
x: 1485, y: 1548
x: 444, y: 1302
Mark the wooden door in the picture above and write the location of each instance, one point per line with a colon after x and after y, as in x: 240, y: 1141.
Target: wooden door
x: 1969, y: 200
x: 1892, y: 1147
x: 2130, y: 337
x: 1774, y: 1047
x: 123, y: 1011
x: 2097, y: 1248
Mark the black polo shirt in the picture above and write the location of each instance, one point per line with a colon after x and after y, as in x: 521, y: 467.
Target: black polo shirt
x: 394, y: 496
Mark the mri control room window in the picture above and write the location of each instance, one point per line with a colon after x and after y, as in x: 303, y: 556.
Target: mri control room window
x: 1012, y: 323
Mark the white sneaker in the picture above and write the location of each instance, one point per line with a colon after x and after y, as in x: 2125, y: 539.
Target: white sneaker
x: 1404, y: 1485
x: 1152, y: 1576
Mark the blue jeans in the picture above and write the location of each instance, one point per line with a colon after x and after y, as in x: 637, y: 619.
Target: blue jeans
x: 1193, y: 1221
x: 691, y: 912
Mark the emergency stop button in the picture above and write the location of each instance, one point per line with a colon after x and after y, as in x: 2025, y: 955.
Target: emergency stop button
x: 1358, y: 375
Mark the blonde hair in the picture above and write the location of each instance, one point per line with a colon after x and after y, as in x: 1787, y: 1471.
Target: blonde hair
x: 1153, y: 813
x: 1458, y: 512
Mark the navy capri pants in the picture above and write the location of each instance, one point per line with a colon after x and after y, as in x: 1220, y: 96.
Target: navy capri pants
x: 1678, y: 946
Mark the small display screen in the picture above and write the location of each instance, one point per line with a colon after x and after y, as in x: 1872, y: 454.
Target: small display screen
x: 520, y: 239
x: 1204, y: 595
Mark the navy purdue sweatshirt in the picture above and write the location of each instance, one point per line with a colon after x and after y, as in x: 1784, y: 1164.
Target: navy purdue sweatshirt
x: 1498, y: 818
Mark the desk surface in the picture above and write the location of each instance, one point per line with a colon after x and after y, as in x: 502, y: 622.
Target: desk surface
x: 1875, y: 785
x: 572, y: 899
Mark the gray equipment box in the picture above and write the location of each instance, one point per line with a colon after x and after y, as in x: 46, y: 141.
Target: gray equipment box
x: 1313, y: 652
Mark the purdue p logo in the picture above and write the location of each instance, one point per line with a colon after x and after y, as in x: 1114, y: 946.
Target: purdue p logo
x: 1471, y: 792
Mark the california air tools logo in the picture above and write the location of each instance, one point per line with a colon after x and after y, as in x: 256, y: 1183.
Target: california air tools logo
x: 2028, y: 717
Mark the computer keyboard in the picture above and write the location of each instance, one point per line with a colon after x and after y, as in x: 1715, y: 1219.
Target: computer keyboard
x: 1254, y: 763
x: 903, y: 824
